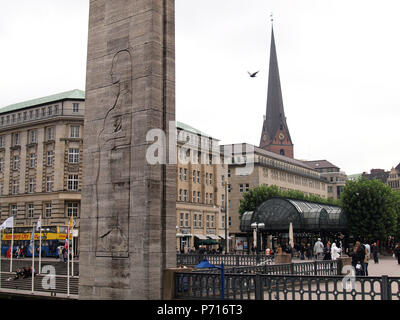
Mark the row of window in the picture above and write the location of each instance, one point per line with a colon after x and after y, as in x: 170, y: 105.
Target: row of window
x: 194, y: 139
x: 34, y: 114
x: 186, y: 155
x: 196, y: 196
x: 33, y: 135
x: 184, y: 220
x: 394, y: 184
x: 73, y: 157
x: 72, y: 184
x: 72, y: 210
x: 286, y: 166
x: 183, y: 176
x: 283, y: 176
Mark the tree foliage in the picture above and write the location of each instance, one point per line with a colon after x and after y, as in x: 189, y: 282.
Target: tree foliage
x: 372, y: 209
x: 256, y: 196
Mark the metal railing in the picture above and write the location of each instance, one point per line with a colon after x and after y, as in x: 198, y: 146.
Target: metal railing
x: 193, y: 259
x: 45, y: 285
x: 198, y: 285
x: 52, y: 282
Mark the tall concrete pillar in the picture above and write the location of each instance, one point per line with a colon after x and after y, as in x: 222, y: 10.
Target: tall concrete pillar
x: 127, y: 223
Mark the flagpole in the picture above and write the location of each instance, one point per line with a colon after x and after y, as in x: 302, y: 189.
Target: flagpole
x: 40, y: 249
x: 1, y: 236
x: 33, y: 257
x: 72, y: 241
x: 12, y: 245
x: 68, y: 263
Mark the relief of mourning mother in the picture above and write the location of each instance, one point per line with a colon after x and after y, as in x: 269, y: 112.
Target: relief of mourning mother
x: 114, y: 162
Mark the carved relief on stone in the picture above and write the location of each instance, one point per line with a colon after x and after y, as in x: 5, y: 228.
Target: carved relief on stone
x: 114, y: 162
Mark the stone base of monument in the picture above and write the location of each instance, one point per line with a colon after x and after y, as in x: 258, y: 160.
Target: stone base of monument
x: 281, y: 258
x: 345, y: 261
x: 168, y: 291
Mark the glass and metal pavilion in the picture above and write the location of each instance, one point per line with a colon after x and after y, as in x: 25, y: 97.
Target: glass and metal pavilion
x: 278, y: 213
x: 309, y: 219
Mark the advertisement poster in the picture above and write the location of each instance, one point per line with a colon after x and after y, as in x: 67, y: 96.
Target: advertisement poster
x: 241, y: 243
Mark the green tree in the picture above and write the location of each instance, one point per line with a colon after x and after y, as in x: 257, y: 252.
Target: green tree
x: 372, y: 209
x: 254, y: 197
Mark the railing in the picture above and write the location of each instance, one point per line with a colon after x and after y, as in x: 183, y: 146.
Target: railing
x: 193, y: 259
x: 197, y: 285
x: 52, y: 282
x: 262, y: 264
x: 45, y: 285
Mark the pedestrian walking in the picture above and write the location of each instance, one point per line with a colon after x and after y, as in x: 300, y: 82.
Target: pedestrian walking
x: 327, y: 251
x: 335, y: 251
x: 374, y: 251
x: 397, y: 252
x: 318, y: 249
x: 65, y: 254
x: 309, y: 251
x: 366, y: 259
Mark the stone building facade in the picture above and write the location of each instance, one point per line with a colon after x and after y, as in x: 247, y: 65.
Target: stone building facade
x: 41, y: 159
x: 266, y: 168
x: 336, y: 178
x: 41, y: 170
x: 393, y: 179
x: 201, y: 192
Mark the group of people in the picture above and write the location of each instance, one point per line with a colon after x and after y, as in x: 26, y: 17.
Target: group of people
x: 360, y: 258
x: 63, y: 253
x: 329, y: 252
x: 26, y: 272
x: 396, y: 252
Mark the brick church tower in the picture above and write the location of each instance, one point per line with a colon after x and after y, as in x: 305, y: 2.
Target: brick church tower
x: 275, y: 136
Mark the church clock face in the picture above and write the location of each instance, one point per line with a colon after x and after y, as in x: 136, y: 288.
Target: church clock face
x: 281, y: 136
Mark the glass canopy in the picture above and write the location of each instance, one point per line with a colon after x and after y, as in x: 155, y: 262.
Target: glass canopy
x: 278, y: 213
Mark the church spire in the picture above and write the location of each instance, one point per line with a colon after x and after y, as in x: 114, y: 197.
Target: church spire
x: 275, y: 135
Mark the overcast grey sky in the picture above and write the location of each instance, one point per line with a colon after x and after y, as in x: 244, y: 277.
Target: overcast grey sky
x: 339, y: 66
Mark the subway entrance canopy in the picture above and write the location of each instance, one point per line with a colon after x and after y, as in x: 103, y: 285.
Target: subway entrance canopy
x: 278, y: 213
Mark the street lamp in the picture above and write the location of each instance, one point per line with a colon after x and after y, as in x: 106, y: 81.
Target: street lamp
x: 256, y: 227
x: 226, y: 218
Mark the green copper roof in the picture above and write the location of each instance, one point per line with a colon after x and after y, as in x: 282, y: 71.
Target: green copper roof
x: 188, y: 128
x: 74, y: 94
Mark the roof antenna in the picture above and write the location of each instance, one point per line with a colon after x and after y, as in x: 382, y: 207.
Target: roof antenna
x: 272, y: 17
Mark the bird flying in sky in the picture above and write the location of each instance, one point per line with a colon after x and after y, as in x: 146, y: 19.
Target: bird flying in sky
x: 252, y: 75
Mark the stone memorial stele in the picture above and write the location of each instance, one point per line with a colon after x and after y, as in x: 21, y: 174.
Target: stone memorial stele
x: 127, y: 223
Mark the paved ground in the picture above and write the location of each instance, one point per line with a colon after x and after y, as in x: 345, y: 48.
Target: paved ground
x: 386, y: 266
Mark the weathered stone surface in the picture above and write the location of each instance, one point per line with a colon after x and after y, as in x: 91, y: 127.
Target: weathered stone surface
x: 128, y: 205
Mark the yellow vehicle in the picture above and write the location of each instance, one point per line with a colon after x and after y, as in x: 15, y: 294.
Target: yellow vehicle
x: 52, y: 237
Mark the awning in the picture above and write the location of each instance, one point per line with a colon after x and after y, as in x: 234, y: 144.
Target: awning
x: 201, y: 236
x: 223, y: 236
x: 213, y: 236
x: 180, y: 235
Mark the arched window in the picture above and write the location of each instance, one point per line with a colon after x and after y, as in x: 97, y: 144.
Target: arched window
x: 282, y: 152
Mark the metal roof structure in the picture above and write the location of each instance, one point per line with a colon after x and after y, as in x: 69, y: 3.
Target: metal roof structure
x: 278, y: 213
x: 73, y: 94
x: 186, y: 127
x: 320, y: 164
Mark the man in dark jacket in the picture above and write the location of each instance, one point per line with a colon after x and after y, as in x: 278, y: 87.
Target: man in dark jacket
x: 374, y: 251
x: 397, y: 252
